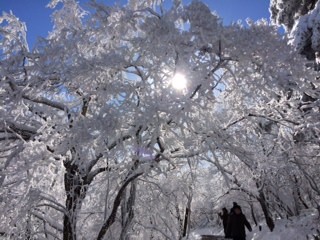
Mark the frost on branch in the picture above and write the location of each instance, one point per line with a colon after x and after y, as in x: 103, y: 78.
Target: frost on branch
x: 137, y: 4
x: 301, y: 20
x: 287, y: 11
x: 12, y: 36
x: 305, y: 34
x: 69, y: 17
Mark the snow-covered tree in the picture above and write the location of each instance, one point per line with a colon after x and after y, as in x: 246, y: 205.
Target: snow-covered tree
x: 98, y: 144
x: 301, y: 22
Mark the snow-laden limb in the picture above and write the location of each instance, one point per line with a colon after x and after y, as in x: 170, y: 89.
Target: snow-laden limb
x: 54, y: 201
x: 301, y: 21
x: 13, y: 35
x: 98, y: 98
x: 52, y: 223
x: 71, y: 13
x: 24, y: 130
x: 48, y: 102
x: 306, y: 30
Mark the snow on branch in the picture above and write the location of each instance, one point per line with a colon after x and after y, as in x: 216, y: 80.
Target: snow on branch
x: 47, y: 102
x: 52, y: 223
x: 19, y: 131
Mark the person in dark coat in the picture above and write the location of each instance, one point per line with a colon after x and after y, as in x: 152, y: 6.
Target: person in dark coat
x: 235, y: 204
x: 236, y: 224
x: 228, y: 232
x: 224, y: 216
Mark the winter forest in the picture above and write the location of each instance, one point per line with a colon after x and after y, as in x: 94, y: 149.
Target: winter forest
x: 143, y: 121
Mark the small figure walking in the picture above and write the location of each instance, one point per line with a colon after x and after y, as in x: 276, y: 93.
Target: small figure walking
x: 236, y: 224
x: 224, y: 216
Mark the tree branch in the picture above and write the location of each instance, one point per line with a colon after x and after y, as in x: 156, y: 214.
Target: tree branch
x: 94, y: 173
x: 110, y: 220
x: 51, y: 223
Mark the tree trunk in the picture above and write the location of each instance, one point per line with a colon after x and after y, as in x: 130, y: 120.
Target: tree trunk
x: 76, y: 190
x: 70, y: 218
x: 265, y: 209
x: 28, y: 228
x: 127, y: 211
x: 299, y: 195
x: 179, y: 218
x: 185, y: 225
x: 252, y: 214
x: 187, y: 216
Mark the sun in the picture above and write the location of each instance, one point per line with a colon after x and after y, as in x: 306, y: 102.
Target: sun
x: 179, y: 81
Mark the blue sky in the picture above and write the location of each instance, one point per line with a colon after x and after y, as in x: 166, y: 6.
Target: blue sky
x: 37, y: 17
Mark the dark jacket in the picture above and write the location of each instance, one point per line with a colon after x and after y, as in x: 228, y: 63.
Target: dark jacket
x: 236, y: 225
x: 224, y: 216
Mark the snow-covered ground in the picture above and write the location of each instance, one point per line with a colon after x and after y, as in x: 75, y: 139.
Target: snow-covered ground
x: 304, y: 227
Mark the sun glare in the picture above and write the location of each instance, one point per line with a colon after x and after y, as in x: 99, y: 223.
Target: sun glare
x: 179, y: 81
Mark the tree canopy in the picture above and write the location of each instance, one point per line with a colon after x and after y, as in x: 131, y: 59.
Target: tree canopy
x: 96, y: 143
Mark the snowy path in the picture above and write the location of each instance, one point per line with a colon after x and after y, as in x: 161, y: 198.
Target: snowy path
x: 305, y: 226
x: 211, y: 237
